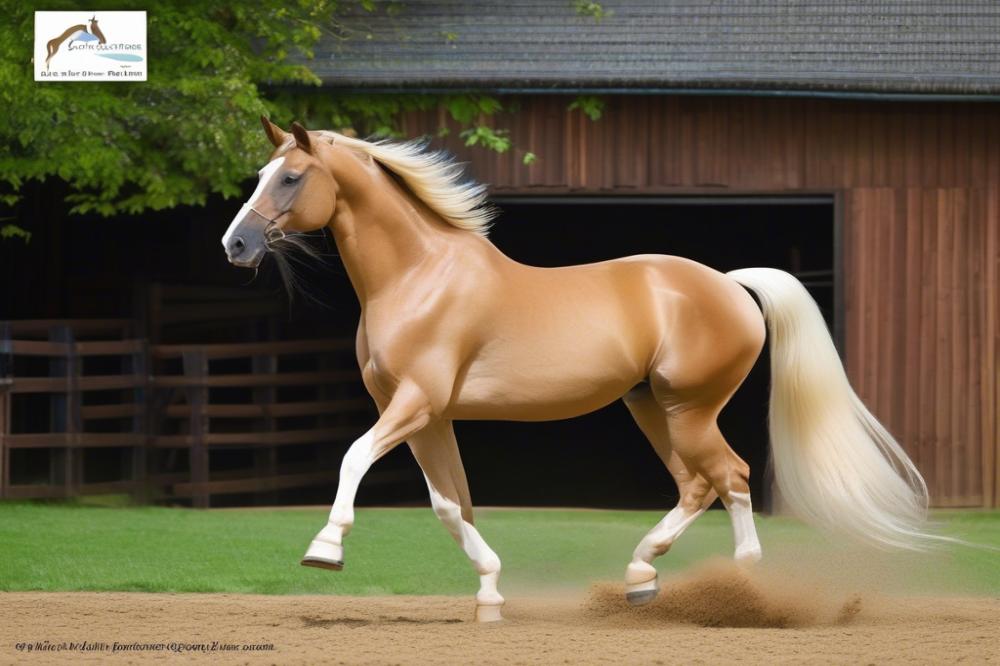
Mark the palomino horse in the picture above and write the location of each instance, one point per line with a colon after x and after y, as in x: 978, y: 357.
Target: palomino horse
x: 453, y: 329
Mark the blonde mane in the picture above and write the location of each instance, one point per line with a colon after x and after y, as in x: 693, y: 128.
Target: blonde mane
x: 433, y: 176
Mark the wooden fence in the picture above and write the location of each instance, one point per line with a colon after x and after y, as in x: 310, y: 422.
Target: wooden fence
x: 45, y: 373
x: 185, y: 421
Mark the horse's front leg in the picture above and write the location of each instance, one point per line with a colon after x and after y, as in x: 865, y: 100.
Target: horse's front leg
x: 436, y: 452
x: 407, y: 413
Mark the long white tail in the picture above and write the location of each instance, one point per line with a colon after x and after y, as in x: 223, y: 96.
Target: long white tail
x: 835, y: 464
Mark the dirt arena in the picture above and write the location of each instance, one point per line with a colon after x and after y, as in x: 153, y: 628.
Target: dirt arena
x: 716, y: 614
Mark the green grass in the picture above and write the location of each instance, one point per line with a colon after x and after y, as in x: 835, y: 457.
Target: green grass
x: 407, y: 551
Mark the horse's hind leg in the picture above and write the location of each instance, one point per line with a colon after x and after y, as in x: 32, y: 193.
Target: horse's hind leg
x: 696, y: 495
x: 701, y: 446
x: 436, y: 452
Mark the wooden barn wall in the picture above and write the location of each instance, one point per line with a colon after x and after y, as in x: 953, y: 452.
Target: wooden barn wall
x: 917, y: 187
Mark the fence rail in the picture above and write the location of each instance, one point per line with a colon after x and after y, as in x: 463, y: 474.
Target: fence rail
x: 69, y: 388
x: 219, y: 351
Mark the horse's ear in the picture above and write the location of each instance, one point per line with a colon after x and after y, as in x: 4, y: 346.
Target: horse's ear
x: 302, y: 139
x: 275, y: 134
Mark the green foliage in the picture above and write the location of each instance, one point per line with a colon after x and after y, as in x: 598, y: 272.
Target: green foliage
x: 13, y: 231
x: 590, y: 106
x: 482, y: 135
x: 592, y: 10
x: 192, y: 129
x: 467, y: 108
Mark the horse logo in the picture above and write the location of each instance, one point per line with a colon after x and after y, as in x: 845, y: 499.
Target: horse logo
x: 76, y: 33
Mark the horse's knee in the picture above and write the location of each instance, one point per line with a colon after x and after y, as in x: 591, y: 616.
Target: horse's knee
x: 359, y: 457
x: 448, y: 512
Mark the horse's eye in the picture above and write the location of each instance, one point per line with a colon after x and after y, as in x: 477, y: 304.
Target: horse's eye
x: 290, y: 180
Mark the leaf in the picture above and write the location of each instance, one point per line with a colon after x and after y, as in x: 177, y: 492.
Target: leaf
x: 11, y: 230
x: 495, y: 140
x: 590, y: 106
x: 192, y: 129
x: 592, y: 10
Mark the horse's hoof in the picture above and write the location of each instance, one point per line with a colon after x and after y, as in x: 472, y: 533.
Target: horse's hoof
x: 640, y: 594
x: 331, y: 565
x: 324, y: 555
x: 640, y: 583
x: 489, y: 613
x: 748, y: 555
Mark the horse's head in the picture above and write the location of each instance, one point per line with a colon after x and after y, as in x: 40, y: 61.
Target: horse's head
x: 295, y: 194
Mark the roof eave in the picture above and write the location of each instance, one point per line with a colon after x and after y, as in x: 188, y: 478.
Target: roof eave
x: 888, y: 93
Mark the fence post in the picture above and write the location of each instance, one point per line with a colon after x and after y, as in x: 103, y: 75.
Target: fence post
x: 265, y: 457
x: 196, y: 370
x: 142, y: 397
x: 66, y: 466
x: 6, y: 374
x: 326, y: 454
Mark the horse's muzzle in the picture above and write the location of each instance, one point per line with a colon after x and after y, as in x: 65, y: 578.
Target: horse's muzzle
x: 240, y: 253
x: 245, y: 242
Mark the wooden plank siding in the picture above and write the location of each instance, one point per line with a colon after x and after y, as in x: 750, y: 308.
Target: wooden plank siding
x: 919, y: 190
x: 919, y: 347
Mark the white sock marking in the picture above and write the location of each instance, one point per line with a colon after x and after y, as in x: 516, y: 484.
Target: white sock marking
x: 662, y: 536
x: 485, y: 561
x: 744, y: 531
x: 358, y: 459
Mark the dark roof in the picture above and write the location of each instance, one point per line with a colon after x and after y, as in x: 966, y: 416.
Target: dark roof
x: 896, y: 46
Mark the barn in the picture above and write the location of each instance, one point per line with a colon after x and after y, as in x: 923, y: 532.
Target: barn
x: 856, y: 146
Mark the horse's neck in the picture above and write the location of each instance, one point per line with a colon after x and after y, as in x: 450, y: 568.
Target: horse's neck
x: 382, y: 231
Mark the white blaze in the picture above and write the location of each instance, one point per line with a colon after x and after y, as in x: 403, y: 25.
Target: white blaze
x: 265, y: 175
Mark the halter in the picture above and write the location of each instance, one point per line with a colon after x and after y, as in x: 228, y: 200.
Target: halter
x: 271, y: 224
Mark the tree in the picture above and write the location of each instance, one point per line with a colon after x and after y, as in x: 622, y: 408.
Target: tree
x: 192, y: 129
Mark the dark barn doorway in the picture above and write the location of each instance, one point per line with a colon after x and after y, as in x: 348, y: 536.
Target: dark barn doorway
x: 601, y: 459
x: 90, y: 267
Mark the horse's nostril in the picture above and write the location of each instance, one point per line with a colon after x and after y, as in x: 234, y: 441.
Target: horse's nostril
x: 237, y: 246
